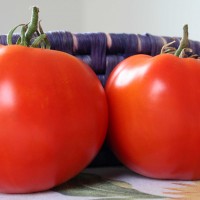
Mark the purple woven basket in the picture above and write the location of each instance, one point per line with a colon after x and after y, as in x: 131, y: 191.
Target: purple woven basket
x: 102, y: 52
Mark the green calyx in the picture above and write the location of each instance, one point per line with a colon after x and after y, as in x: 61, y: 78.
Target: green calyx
x: 183, y: 51
x: 32, y: 34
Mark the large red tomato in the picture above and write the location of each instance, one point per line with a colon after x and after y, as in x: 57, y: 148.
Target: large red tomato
x: 154, y: 108
x: 53, y: 118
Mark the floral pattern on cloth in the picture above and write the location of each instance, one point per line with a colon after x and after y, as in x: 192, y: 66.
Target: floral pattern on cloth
x: 115, y: 183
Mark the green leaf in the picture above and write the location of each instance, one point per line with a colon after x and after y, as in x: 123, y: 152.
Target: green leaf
x: 93, y: 185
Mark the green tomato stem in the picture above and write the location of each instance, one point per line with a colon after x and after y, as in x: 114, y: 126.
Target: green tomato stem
x: 23, y: 40
x: 10, y: 34
x: 32, y: 34
x: 33, y: 25
x: 46, y: 41
x: 183, y: 51
x: 184, y: 41
x: 38, y: 40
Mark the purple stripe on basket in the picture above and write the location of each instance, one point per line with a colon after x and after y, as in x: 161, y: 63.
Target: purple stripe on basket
x: 118, y: 43
x: 84, y: 43
x: 3, y: 39
x: 86, y: 59
x: 156, y: 44
x: 61, y: 40
x: 145, y: 44
x: 111, y: 62
x: 195, y: 46
x: 98, y: 52
x: 131, y: 46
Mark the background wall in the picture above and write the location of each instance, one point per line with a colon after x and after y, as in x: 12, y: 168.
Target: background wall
x: 158, y: 17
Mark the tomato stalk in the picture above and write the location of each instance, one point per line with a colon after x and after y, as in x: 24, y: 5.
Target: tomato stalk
x: 184, y: 41
x: 32, y: 26
x: 32, y: 34
x: 183, y: 51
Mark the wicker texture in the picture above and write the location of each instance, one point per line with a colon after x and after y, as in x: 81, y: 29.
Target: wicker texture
x: 102, y: 52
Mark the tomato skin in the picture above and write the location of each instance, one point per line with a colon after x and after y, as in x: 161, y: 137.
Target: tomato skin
x: 155, y: 115
x: 53, y: 114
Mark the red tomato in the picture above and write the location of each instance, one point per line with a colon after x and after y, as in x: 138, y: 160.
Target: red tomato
x: 53, y: 118
x: 154, y: 108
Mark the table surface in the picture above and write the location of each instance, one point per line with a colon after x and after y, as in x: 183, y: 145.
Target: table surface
x: 115, y: 183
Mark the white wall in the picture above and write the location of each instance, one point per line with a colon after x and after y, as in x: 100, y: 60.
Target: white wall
x: 55, y: 14
x: 159, y: 17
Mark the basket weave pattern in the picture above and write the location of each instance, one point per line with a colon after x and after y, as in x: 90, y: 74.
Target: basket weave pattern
x: 102, y: 52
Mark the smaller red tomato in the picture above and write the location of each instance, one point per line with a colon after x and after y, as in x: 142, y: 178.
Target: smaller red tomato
x: 155, y: 115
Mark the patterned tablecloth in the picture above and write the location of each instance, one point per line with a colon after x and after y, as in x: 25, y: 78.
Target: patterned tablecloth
x: 114, y: 184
